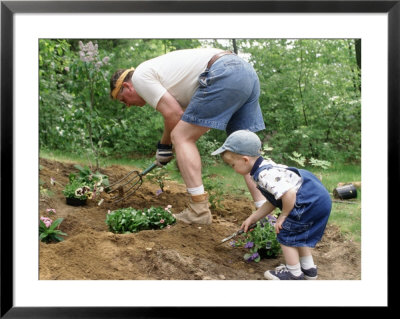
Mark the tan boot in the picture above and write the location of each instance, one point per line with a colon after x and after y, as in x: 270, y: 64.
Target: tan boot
x: 197, y: 212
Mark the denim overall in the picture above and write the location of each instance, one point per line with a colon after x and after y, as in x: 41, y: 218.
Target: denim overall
x: 306, y: 223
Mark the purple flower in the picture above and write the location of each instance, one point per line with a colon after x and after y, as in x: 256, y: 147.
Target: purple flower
x: 252, y: 257
x: 271, y: 219
x: 158, y: 192
x: 249, y: 244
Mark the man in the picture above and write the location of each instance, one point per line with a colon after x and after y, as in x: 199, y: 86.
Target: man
x: 194, y: 90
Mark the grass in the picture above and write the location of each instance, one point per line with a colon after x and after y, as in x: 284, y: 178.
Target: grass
x: 345, y: 215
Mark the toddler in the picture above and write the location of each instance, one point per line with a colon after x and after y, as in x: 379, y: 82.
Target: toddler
x: 304, y: 202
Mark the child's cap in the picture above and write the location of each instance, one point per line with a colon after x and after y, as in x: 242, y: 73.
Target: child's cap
x: 241, y: 142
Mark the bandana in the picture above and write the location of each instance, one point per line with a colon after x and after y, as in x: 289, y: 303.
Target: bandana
x: 120, y: 80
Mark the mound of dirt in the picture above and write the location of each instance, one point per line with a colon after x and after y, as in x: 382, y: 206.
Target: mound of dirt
x: 181, y: 252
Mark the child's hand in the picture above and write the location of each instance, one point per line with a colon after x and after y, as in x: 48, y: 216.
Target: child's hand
x: 246, y: 224
x: 279, y: 222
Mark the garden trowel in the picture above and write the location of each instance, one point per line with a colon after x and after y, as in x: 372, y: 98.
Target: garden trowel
x: 240, y: 231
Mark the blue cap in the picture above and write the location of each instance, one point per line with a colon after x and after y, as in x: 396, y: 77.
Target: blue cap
x: 241, y: 142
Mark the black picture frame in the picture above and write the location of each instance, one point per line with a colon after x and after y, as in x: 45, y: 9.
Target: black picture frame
x: 9, y: 8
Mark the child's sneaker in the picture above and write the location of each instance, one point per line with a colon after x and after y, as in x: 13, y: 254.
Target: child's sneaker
x: 282, y: 273
x: 310, y: 274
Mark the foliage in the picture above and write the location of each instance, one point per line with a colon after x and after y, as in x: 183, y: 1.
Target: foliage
x: 93, y: 179
x: 48, y: 231
x: 213, y: 185
x: 77, y: 188
x: 159, y: 177
x: 310, y: 97
x: 129, y: 220
x: 261, y: 241
x: 86, y: 184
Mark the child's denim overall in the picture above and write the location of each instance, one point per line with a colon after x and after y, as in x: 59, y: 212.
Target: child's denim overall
x: 306, y: 223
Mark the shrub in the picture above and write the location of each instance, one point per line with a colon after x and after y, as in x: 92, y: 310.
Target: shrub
x: 261, y: 241
x: 129, y: 220
x: 48, y: 231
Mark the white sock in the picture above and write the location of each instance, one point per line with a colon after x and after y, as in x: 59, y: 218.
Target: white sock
x: 196, y: 190
x: 260, y: 203
x: 294, y: 269
x: 307, y: 262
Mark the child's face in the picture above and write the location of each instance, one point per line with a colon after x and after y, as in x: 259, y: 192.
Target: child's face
x: 241, y: 164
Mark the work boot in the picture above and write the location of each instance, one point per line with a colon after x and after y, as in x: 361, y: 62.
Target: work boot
x: 197, y: 212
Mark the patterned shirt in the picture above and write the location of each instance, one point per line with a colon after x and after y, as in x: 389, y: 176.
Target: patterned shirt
x: 276, y: 180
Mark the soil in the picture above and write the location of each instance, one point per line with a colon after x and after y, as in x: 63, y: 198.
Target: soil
x: 181, y: 252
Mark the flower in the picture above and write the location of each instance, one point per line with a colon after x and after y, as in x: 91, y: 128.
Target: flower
x: 78, y: 192
x: 85, y: 189
x: 271, y: 219
x: 253, y: 256
x: 47, y: 221
x: 162, y: 221
x: 249, y: 244
x: 52, y: 181
x: 158, y: 192
x: 169, y: 206
x: 51, y: 210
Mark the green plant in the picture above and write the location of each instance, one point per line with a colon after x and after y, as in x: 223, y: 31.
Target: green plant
x: 261, y: 241
x: 129, y: 220
x: 48, y: 231
x: 215, y: 191
x: 86, y: 184
x: 77, y: 188
x: 95, y: 180
x: 298, y: 159
x: 159, y: 177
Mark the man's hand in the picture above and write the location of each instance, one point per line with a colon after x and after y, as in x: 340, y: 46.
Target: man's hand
x: 164, y: 154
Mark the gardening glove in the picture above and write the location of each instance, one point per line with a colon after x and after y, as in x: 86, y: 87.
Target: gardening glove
x: 164, y: 154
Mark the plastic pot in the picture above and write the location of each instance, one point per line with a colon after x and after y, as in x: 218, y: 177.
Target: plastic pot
x: 75, y: 201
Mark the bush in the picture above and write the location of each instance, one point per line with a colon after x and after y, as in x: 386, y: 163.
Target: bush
x: 48, y: 231
x: 261, y: 241
x: 129, y: 220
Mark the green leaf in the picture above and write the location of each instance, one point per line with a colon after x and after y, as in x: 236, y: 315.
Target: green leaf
x: 56, y: 223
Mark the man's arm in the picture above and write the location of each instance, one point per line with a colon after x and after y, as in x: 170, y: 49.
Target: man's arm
x: 172, y: 112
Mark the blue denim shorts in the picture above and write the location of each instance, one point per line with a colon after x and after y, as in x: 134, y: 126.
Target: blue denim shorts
x: 227, y: 97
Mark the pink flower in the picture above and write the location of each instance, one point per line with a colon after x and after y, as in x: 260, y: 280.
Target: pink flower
x: 51, y: 210
x: 47, y: 221
x: 162, y: 221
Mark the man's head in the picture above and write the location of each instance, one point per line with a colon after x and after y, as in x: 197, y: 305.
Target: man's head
x: 121, y: 88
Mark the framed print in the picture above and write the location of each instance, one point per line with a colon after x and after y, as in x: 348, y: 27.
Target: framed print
x: 24, y: 23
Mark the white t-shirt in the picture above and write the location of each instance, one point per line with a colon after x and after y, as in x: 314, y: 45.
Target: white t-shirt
x: 278, y: 180
x: 176, y: 72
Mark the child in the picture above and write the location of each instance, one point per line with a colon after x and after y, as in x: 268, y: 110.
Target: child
x: 304, y: 202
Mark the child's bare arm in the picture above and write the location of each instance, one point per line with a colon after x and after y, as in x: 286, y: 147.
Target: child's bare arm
x: 266, y: 209
x: 288, y: 201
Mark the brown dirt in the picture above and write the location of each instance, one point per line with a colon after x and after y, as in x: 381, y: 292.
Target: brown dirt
x: 181, y: 252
